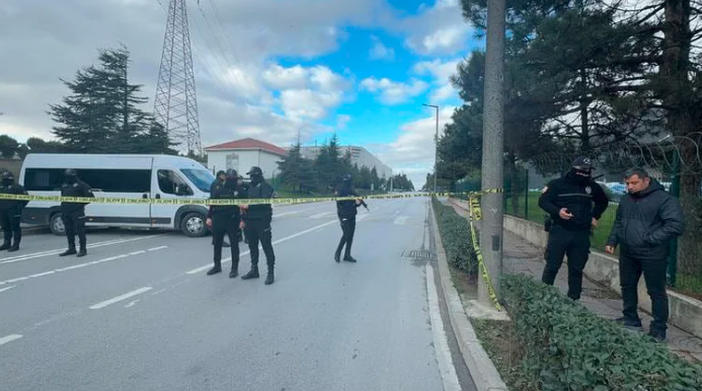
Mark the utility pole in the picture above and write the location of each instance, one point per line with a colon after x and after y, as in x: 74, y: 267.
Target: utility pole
x: 493, y: 150
x: 436, y: 142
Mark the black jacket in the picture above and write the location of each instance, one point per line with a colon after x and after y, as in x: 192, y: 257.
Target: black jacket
x: 259, y: 191
x: 77, y: 189
x: 219, y: 191
x: 13, y: 205
x: 646, y: 222
x: 577, y: 195
x: 346, y: 208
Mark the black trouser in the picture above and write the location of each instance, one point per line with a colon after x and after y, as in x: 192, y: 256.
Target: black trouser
x: 259, y: 230
x: 223, y: 224
x: 348, y: 228
x: 574, y: 244
x: 75, y: 225
x: 10, y: 221
x: 654, y: 272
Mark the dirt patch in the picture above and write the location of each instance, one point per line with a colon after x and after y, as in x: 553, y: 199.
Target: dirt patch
x: 500, y: 341
x: 465, y: 284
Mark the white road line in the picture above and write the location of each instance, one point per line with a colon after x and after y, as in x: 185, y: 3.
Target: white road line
x: 120, y: 298
x: 138, y: 252
x: 59, y: 251
x: 281, y: 240
x: 7, y: 288
x: 131, y: 304
x: 157, y: 248
x: 73, y: 267
x: 9, y: 338
x: 401, y: 220
x: 320, y: 215
x: 441, y: 348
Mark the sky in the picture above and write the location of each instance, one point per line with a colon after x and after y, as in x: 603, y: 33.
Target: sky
x: 267, y: 69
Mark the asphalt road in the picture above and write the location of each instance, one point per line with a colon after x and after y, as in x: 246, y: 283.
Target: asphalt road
x: 139, y: 313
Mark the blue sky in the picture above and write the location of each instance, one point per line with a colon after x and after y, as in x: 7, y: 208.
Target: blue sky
x: 264, y: 69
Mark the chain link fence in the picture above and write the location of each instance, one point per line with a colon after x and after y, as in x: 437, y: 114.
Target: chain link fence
x: 673, y: 161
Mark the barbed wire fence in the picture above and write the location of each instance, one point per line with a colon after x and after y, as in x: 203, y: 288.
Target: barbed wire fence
x: 674, y: 161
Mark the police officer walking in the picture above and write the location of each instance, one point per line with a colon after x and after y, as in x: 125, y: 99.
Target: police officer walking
x: 11, y: 212
x: 225, y: 219
x: 569, y: 203
x: 346, y: 210
x: 257, y: 224
x: 219, y: 180
x: 74, y: 212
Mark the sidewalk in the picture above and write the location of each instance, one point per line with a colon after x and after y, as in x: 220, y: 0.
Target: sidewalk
x: 522, y: 257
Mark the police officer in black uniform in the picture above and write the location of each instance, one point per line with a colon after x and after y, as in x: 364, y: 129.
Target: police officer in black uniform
x: 74, y: 212
x: 225, y: 219
x: 569, y: 202
x: 11, y: 212
x: 257, y: 224
x: 346, y: 210
x: 220, y: 179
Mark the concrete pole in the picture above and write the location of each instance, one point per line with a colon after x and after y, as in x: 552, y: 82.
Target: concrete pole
x: 436, y: 142
x: 493, y: 149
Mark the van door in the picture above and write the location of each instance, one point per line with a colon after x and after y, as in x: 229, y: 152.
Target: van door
x: 169, y: 183
x: 128, y: 178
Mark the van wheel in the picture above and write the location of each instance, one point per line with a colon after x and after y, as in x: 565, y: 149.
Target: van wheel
x: 56, y: 225
x: 193, y: 225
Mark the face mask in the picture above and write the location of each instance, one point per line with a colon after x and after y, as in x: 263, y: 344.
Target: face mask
x: 70, y: 179
x: 256, y: 179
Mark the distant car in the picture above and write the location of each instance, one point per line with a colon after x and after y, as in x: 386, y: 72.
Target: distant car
x: 122, y: 176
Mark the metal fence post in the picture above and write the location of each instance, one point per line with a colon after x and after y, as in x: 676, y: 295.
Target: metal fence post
x: 674, y: 191
x: 526, y: 194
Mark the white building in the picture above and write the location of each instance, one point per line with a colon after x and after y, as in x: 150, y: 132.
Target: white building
x: 359, y: 156
x: 243, y: 154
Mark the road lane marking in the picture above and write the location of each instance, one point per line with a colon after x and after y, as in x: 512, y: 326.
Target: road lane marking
x: 401, y: 220
x: 285, y: 239
x: 157, y: 248
x: 138, y: 252
x: 441, y: 347
x: 320, y: 215
x: 9, y: 338
x: 27, y: 257
x: 120, y: 298
x: 63, y: 269
x: 7, y: 288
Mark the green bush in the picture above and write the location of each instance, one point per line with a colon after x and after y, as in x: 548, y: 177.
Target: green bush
x: 570, y: 348
x: 456, y: 238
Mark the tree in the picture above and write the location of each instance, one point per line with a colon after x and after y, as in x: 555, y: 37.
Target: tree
x: 102, y: 114
x: 37, y: 145
x: 8, y: 146
x: 295, y: 171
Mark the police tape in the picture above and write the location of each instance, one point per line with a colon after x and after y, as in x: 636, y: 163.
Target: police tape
x: 221, y: 202
x: 475, y: 214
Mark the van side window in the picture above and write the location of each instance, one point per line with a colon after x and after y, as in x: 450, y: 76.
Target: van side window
x: 171, y: 183
x: 106, y: 180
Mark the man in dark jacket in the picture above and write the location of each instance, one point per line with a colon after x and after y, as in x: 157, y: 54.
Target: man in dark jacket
x: 225, y: 219
x: 73, y: 213
x: 257, y: 224
x: 569, y: 203
x: 346, y: 210
x: 219, y: 180
x: 648, y: 218
x: 11, y: 212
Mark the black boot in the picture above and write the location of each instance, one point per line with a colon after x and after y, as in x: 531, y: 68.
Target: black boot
x: 235, y: 270
x: 70, y: 251
x: 349, y: 258
x: 217, y: 268
x: 270, y: 278
x: 5, y: 246
x: 83, y: 252
x: 253, y: 273
x: 15, y: 247
x: 337, y: 257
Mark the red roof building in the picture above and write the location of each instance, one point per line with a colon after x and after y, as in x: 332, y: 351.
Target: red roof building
x: 242, y: 154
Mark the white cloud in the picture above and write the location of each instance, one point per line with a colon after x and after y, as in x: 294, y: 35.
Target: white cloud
x: 308, y: 104
x: 413, y: 151
x: 440, y: 71
x: 342, y: 121
x: 437, y: 30
x: 392, y: 92
x: 379, y: 51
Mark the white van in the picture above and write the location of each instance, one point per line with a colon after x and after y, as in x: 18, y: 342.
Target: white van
x: 121, y: 176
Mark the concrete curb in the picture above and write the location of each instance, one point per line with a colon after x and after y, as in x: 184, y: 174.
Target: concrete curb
x: 482, y: 370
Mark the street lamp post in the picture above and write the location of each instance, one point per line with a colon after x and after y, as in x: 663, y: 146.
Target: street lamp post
x: 436, y: 141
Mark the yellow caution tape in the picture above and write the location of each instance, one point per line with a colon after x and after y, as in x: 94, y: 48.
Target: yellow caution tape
x: 475, y: 214
x: 208, y: 201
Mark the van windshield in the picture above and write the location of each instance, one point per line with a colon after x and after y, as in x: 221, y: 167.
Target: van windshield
x: 200, y: 178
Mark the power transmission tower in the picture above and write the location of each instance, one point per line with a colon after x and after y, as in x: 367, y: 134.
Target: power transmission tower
x: 175, y: 106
